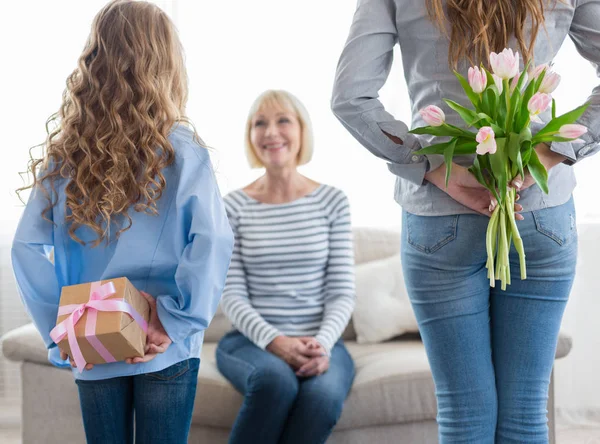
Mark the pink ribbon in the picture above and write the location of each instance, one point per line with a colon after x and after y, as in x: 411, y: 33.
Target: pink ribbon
x: 97, y: 302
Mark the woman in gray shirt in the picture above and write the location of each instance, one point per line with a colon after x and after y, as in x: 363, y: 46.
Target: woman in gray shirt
x: 491, y: 351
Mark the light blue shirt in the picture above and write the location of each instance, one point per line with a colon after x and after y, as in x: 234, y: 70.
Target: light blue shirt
x: 180, y: 257
x: 365, y: 64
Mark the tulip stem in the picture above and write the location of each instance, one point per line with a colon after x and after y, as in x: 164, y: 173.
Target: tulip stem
x: 491, y: 241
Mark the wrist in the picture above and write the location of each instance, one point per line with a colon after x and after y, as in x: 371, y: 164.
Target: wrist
x: 274, y: 344
x: 437, y: 176
x: 547, y: 157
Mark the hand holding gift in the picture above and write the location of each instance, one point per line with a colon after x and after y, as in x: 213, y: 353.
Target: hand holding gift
x: 157, y: 339
x: 506, y: 102
x: 101, y: 322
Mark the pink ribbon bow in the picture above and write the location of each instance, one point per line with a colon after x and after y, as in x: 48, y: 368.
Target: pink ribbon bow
x: 97, y: 302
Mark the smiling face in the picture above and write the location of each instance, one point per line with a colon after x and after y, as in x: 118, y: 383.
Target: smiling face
x: 276, y: 136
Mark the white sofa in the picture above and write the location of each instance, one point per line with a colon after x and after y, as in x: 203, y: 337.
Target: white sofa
x: 392, y: 400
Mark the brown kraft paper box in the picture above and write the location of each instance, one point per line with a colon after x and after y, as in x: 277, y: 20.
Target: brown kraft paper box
x: 116, y: 330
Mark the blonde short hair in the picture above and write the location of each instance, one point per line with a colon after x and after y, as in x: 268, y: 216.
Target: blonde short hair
x: 289, y: 102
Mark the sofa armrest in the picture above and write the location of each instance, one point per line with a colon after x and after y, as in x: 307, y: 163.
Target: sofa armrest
x: 24, y: 344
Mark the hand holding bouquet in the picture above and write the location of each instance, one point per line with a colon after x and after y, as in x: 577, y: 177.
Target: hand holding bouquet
x: 506, y: 101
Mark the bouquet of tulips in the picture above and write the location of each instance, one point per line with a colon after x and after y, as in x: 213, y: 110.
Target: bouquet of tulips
x: 505, y: 102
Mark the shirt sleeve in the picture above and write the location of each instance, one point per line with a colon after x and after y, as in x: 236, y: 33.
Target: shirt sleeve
x: 236, y: 301
x: 200, y: 274
x: 362, y: 71
x: 585, y: 34
x: 339, y: 278
x: 34, y: 271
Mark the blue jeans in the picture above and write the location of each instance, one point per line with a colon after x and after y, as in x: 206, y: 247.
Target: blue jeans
x: 162, y: 401
x: 278, y: 406
x: 491, y: 351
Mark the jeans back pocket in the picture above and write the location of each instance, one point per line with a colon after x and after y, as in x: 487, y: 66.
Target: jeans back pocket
x: 430, y: 233
x: 558, y: 223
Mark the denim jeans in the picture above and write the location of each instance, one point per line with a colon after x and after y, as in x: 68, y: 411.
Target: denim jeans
x: 161, y: 401
x: 278, y: 406
x: 491, y: 351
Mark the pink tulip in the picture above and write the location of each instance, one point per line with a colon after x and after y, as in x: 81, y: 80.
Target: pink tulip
x: 498, y: 82
x: 538, y: 104
x: 506, y: 64
x: 515, y: 80
x: 572, y: 131
x: 487, y: 141
x: 477, y: 79
x: 550, y: 82
x: 535, y: 72
x: 433, y: 116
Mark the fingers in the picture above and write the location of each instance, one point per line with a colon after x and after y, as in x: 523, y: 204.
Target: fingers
x: 314, y: 352
x: 493, y: 204
x: 308, y: 369
x: 160, y: 348
x: 138, y: 360
x: 298, y: 361
x: 63, y: 355
x: 87, y: 366
x: 516, y: 183
x: 517, y: 208
x: 150, y: 299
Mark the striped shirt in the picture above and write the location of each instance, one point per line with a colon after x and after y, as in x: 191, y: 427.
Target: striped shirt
x: 292, y: 268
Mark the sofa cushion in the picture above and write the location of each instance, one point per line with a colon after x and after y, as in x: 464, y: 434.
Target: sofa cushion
x: 383, y: 310
x: 393, y: 385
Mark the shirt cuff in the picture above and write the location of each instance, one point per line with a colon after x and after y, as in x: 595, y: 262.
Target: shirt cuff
x: 403, y: 162
x: 325, y: 343
x: 55, y: 360
x: 267, y: 338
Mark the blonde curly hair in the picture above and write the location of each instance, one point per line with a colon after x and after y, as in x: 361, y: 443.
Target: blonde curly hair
x: 110, y: 137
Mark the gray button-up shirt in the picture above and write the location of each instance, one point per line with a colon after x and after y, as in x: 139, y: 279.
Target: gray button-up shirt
x: 364, y: 67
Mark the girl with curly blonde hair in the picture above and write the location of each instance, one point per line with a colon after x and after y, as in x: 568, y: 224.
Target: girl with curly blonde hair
x: 124, y: 188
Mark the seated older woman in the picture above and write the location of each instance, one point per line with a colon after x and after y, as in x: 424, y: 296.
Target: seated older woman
x: 290, y: 287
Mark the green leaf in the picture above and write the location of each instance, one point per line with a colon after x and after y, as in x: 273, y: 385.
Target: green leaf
x: 475, y: 170
x: 473, y: 97
x: 448, y: 154
x: 520, y: 167
x: 498, y: 132
x: 490, y: 100
x: 553, y: 109
x: 526, y: 150
x: 498, y: 162
x: 524, y: 112
x: 522, y: 78
x: 538, y: 172
x: 438, y: 148
x: 525, y: 134
x: 514, y: 103
x: 466, y: 114
x: 433, y: 130
x: 554, y: 125
x: 465, y: 147
x: 513, y: 146
x: 540, y: 79
x: 461, y: 132
x: 490, y: 79
x: 551, y: 139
